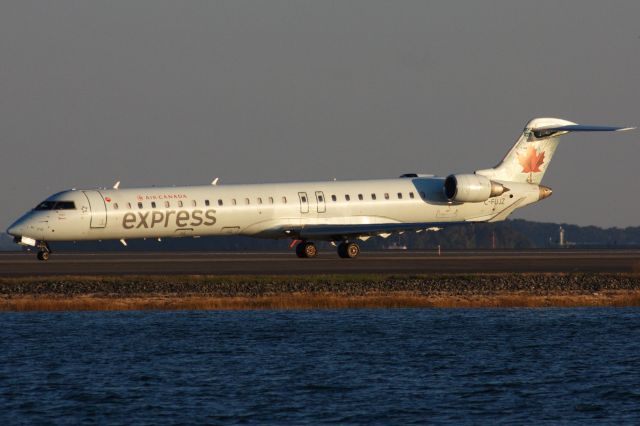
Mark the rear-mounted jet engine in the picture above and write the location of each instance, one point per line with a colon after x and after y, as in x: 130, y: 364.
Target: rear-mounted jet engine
x: 468, y: 188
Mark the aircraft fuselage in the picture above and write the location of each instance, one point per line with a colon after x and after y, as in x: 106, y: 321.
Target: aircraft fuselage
x: 281, y: 210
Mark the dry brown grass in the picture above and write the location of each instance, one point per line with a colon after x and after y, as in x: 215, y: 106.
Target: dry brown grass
x: 335, y: 278
x: 314, y: 301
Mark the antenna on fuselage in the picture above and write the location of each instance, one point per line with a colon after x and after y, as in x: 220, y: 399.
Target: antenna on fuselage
x: 215, y: 181
x: 116, y: 185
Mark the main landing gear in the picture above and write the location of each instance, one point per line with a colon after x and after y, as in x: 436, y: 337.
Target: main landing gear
x: 43, y: 251
x: 346, y: 250
x: 306, y: 249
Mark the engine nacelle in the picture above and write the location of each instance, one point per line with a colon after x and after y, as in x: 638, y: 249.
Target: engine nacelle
x: 471, y: 188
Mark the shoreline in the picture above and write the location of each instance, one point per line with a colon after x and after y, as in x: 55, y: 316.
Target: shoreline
x: 202, y: 292
x: 313, y: 302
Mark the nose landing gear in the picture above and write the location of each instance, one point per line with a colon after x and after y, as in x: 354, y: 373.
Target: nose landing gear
x: 43, y: 255
x: 43, y: 251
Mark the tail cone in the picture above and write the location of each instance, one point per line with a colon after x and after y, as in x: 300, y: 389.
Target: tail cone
x: 545, y: 192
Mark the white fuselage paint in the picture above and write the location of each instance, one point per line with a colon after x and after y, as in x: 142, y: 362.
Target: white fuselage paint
x: 260, y: 210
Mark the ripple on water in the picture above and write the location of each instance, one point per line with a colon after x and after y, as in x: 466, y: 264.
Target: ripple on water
x: 346, y: 366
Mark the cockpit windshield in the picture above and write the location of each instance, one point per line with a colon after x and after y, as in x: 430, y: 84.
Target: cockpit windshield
x: 56, y: 205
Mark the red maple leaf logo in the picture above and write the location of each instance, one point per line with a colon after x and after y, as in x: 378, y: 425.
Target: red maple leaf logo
x: 531, y: 161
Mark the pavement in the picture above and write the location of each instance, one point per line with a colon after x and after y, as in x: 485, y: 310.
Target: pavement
x: 391, y: 262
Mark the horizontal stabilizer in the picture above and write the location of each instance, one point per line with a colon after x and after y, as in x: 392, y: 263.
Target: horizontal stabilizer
x: 548, y: 131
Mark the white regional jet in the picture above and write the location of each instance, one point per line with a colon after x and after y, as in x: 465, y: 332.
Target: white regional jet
x: 339, y: 212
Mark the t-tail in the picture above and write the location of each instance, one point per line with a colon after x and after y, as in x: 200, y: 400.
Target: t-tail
x: 529, y: 158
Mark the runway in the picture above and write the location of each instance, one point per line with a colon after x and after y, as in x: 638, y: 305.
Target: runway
x: 396, y: 262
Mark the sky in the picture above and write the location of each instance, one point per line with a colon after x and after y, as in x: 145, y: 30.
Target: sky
x: 178, y: 93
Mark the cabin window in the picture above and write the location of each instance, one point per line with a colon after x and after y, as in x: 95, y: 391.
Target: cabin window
x: 411, y: 195
x: 128, y: 205
x: 320, y: 198
x: 303, y: 199
x: 422, y: 195
x: 347, y: 197
x: 259, y: 200
x: 284, y: 200
x: 386, y: 195
x: 334, y: 198
x: 153, y: 204
x: 360, y: 197
x: 373, y: 196
x: 194, y: 203
x: 247, y: 201
x: 399, y: 195
x: 180, y: 204
x: 139, y: 205
x: 270, y: 200
x: 167, y: 204
x: 233, y: 201
x: 115, y: 206
x: 206, y: 203
x: 220, y: 202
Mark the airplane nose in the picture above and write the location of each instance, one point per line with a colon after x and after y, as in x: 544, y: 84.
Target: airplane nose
x: 16, y: 229
x: 13, y: 230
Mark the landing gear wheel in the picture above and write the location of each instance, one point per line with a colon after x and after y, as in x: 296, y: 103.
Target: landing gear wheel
x: 306, y: 249
x: 43, y: 250
x: 348, y: 250
x: 43, y: 255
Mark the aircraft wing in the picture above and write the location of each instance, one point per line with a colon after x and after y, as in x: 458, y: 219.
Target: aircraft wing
x: 339, y: 232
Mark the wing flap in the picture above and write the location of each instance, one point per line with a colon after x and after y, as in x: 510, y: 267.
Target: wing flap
x: 337, y: 232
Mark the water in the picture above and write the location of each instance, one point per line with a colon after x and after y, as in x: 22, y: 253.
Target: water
x: 349, y: 366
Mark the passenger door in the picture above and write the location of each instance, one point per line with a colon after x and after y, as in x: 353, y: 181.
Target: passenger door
x: 98, y: 209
